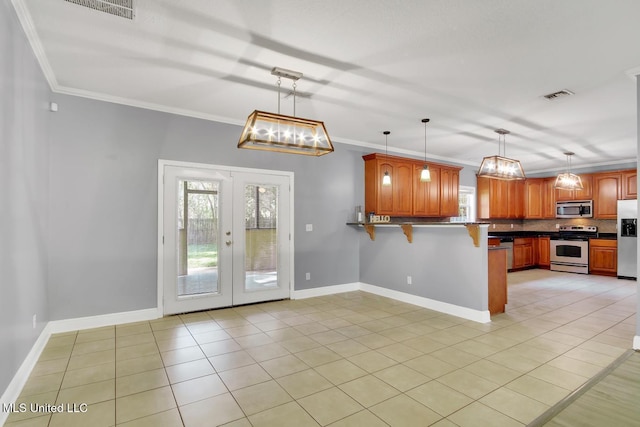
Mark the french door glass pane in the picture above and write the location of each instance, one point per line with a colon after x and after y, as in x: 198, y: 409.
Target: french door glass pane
x: 198, y: 237
x: 261, y: 237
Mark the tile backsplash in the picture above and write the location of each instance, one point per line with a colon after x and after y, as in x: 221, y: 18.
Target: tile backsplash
x: 604, y: 225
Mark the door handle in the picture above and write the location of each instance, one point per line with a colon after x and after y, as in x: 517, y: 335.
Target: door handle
x: 228, y: 242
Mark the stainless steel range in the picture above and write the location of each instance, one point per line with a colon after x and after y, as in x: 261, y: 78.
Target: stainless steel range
x: 570, y: 248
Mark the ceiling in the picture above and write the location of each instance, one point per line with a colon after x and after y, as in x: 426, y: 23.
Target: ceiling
x: 369, y: 66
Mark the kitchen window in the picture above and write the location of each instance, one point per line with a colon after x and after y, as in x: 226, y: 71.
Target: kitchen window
x: 466, y: 205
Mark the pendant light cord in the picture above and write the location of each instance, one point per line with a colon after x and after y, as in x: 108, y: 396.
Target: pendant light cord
x: 425, y: 121
x: 278, y: 83
x: 294, y: 99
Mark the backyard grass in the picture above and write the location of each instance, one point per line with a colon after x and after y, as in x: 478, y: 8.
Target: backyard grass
x: 202, y: 256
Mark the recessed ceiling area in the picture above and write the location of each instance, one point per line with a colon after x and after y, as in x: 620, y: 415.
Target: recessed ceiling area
x: 370, y: 65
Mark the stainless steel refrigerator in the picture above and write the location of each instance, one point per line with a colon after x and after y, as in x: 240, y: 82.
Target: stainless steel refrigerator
x: 627, y: 239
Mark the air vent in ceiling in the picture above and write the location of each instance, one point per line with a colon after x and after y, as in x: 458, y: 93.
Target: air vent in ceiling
x: 559, y: 94
x: 121, y: 8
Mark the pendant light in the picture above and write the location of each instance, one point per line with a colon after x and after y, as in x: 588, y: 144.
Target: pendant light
x: 425, y: 174
x: 386, y: 178
x: 501, y: 167
x: 568, y: 180
x: 285, y: 134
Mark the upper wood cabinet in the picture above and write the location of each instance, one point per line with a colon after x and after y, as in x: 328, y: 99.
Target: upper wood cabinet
x: 629, y: 184
x: 501, y: 199
x: 606, y: 193
x: 407, y: 196
x: 492, y: 198
x: 585, y: 194
x: 426, y: 195
x: 450, y: 186
x: 533, y: 198
x: 515, y: 199
x: 539, y: 198
x: 498, y: 198
x: 395, y: 199
x: 549, y: 198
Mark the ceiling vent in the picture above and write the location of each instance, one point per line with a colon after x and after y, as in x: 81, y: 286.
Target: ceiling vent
x: 559, y: 94
x: 121, y: 8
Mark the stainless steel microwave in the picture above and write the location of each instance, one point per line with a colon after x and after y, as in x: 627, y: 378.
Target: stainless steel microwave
x: 574, y: 209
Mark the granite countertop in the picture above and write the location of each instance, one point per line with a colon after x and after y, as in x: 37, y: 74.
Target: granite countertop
x: 443, y: 223
x: 513, y: 234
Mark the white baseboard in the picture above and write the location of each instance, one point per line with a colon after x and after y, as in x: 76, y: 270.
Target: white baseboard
x: 443, y: 307
x: 636, y: 342
x: 80, y: 323
x: 325, y: 290
x: 16, y: 385
x: 12, y: 392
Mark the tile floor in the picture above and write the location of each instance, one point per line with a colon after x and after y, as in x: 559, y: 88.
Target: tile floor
x: 353, y: 359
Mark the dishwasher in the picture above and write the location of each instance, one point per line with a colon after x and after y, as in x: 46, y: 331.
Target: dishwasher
x: 507, y: 242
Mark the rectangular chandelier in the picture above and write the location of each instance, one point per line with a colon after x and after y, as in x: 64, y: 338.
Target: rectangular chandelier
x: 285, y: 134
x: 501, y: 168
x: 568, y: 181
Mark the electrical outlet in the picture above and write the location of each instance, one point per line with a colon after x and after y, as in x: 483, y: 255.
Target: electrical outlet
x: 309, y: 227
x: 409, y: 280
x: 557, y: 225
x: 494, y: 226
x: 512, y: 226
x: 307, y: 276
x: 34, y: 321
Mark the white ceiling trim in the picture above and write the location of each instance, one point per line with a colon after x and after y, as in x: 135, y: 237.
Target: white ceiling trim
x: 633, y: 72
x: 32, y: 35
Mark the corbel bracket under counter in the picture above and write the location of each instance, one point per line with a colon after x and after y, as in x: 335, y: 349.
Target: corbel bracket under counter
x: 473, y: 228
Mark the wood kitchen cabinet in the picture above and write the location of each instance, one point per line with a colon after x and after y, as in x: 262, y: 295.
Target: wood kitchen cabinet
x: 629, y: 185
x: 426, y: 195
x: 523, y: 252
x: 603, y: 257
x: 450, y: 189
x: 395, y: 199
x: 585, y: 194
x: 540, y: 198
x: 498, y: 198
x: 497, y: 280
x: 407, y: 196
x: 549, y: 198
x: 533, y: 198
x: 515, y: 199
x: 543, y: 258
x: 606, y: 193
x: 492, y: 198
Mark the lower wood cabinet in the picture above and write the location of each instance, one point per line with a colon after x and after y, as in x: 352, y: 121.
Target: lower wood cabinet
x: 543, y: 252
x: 603, y: 257
x: 522, y: 252
x: 497, y: 280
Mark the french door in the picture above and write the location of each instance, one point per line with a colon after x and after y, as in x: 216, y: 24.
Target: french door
x: 225, y: 236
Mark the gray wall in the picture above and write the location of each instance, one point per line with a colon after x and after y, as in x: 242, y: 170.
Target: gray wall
x: 104, y: 202
x: 24, y: 189
x: 638, y: 142
x: 443, y: 263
